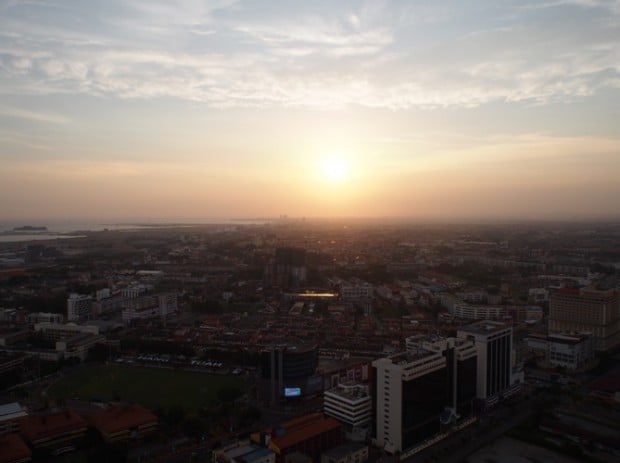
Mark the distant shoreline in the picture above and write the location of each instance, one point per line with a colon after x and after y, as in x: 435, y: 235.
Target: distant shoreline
x: 30, y: 228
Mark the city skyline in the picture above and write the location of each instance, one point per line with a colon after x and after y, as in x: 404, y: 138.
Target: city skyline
x: 356, y: 109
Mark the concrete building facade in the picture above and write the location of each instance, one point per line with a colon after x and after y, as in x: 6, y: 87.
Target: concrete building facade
x: 493, y: 341
x: 79, y: 307
x: 349, y: 404
x: 587, y: 309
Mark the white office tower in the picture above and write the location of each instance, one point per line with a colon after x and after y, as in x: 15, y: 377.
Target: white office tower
x: 496, y: 376
x: 350, y: 404
x: 410, y: 394
x: 79, y: 307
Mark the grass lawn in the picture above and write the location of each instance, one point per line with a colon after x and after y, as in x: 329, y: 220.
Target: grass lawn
x: 151, y: 387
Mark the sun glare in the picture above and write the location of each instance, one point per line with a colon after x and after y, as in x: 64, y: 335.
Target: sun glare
x: 335, y: 169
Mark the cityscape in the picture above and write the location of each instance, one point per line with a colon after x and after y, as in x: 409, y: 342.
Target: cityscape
x: 363, y: 231
x: 313, y: 340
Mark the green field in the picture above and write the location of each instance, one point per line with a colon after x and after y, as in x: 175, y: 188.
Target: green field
x: 151, y: 387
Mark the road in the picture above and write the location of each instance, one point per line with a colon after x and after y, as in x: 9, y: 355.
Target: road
x: 456, y: 447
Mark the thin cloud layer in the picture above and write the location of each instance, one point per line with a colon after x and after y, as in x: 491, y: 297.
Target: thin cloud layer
x: 234, y: 54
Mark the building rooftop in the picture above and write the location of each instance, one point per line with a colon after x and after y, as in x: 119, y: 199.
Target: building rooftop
x: 484, y: 327
x: 241, y: 450
x: 351, y: 392
x: 572, y: 338
x: 257, y: 454
x: 340, y: 452
x: 588, y: 292
x: 11, y: 411
x: 610, y: 381
x: 119, y: 418
x: 41, y: 426
x: 13, y: 448
x: 404, y: 358
x: 300, y: 435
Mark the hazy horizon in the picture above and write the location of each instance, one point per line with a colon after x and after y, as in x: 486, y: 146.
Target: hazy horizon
x: 420, y: 111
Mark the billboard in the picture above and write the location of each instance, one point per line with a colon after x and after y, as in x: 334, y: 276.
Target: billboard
x: 292, y: 392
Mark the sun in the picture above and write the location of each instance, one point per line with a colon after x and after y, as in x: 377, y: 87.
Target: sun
x: 335, y: 169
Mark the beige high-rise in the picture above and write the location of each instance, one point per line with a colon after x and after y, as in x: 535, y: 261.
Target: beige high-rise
x: 587, y: 309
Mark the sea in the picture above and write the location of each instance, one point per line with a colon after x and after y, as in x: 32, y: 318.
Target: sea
x: 67, y: 229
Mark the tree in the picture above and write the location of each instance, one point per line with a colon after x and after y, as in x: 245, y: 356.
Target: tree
x: 194, y: 427
x: 175, y: 415
x: 249, y: 415
x: 228, y: 394
x: 212, y: 306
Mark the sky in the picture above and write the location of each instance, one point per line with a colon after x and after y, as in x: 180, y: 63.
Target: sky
x: 439, y: 110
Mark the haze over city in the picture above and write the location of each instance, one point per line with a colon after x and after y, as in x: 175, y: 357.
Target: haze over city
x: 476, y: 110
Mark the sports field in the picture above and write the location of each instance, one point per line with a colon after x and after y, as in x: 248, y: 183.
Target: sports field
x: 151, y: 387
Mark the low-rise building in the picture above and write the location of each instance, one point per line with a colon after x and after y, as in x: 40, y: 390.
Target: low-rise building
x: 11, y: 360
x: 478, y: 312
x: 298, y: 457
x: 10, y: 415
x: 310, y: 434
x: 572, y: 351
x: 11, y: 337
x: 58, y: 331
x: 53, y: 431
x: 124, y: 423
x: 346, y: 453
x: 351, y: 404
x: 13, y: 449
x: 147, y: 307
x: 40, y: 317
x: 78, y: 346
x: 244, y: 452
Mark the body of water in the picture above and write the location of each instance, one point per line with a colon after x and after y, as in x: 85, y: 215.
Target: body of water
x: 71, y: 229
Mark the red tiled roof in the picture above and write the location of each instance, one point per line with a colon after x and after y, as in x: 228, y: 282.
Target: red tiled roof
x: 40, y: 426
x: 608, y: 382
x: 13, y: 448
x: 301, y: 421
x: 306, y: 432
x: 119, y: 418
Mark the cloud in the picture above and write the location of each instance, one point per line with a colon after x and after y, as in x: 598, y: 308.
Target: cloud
x: 376, y: 57
x: 38, y: 116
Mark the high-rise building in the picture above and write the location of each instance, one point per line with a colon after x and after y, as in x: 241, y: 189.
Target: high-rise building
x: 587, y: 309
x: 493, y: 341
x: 415, y: 392
x: 79, y: 307
x: 288, y: 268
x: 287, y: 371
x: 461, y: 363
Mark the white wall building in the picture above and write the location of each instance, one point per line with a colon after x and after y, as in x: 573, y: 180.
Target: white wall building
x: 57, y: 331
x: 478, y: 312
x: 10, y: 415
x: 351, y: 291
x: 395, y: 400
x: 145, y: 307
x: 572, y: 350
x: 493, y: 342
x: 134, y: 291
x: 79, y: 307
x: 78, y: 345
x: 349, y: 404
